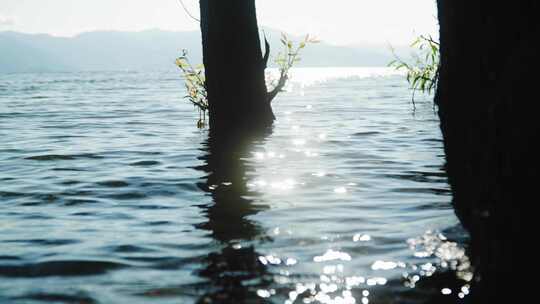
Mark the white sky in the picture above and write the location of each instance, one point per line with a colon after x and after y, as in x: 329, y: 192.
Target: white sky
x: 344, y: 22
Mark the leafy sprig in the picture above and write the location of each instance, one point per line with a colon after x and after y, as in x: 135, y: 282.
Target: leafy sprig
x: 195, y: 83
x: 423, y: 71
x: 286, y: 59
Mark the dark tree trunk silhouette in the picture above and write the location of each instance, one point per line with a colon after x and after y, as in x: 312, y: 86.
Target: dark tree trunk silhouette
x: 234, y: 65
x: 486, y: 96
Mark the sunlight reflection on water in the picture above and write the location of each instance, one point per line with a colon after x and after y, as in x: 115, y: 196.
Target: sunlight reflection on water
x: 345, y: 202
x: 302, y: 78
x: 339, y: 281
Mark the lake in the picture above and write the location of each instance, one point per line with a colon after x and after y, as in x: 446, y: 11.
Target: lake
x: 110, y: 194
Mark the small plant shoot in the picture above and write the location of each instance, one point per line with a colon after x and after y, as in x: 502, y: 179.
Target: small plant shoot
x: 285, y: 60
x: 195, y: 83
x: 423, y: 71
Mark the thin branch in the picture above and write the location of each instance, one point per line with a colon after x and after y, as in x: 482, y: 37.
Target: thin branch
x: 430, y: 39
x: 281, y: 84
x: 187, y: 11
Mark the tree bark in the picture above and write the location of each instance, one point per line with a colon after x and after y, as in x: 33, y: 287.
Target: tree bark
x: 486, y: 94
x: 234, y: 65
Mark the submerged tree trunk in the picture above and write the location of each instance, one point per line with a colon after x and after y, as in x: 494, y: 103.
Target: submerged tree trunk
x: 234, y: 65
x: 486, y: 95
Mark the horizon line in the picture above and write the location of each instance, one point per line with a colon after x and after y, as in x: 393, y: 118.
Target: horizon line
x: 370, y: 44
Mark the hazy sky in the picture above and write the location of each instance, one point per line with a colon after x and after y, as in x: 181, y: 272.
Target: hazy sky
x: 345, y: 22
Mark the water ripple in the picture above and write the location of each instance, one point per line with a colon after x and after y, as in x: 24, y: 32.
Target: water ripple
x: 57, y: 298
x: 59, y: 268
x: 110, y: 193
x: 54, y: 157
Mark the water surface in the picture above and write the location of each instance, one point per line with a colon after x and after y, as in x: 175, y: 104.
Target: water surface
x: 110, y: 194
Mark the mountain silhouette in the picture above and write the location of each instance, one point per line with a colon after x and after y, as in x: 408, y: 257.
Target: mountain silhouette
x: 149, y: 50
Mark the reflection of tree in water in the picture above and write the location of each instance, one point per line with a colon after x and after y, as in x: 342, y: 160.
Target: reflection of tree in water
x: 234, y: 272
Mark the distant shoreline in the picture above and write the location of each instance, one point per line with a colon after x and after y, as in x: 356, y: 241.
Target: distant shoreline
x: 149, y: 51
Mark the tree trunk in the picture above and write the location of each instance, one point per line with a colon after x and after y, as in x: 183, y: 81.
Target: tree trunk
x: 234, y: 65
x: 488, y: 75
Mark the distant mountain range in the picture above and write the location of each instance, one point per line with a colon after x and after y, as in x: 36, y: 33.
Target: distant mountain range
x: 148, y: 50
